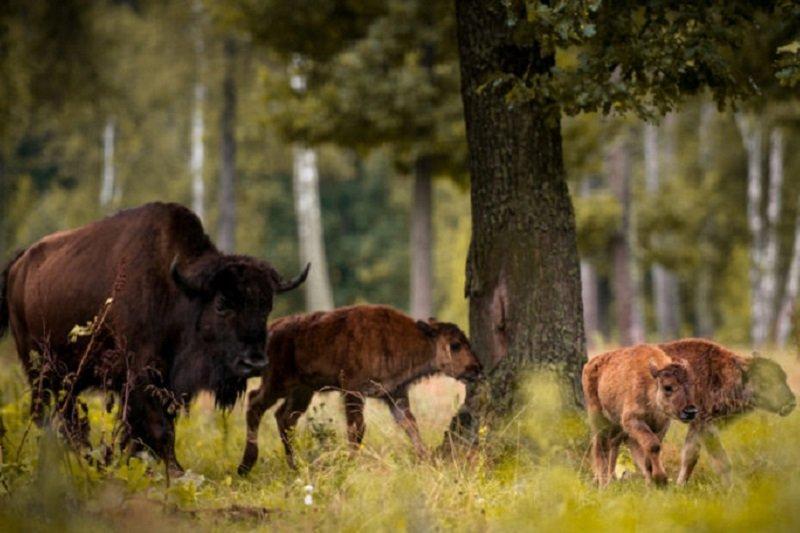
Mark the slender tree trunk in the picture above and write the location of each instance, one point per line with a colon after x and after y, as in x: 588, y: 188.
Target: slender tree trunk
x: 769, y: 279
x: 422, y: 241
x: 752, y: 136
x: 107, y: 185
x: 665, y: 283
x: 786, y: 313
x: 226, y: 239
x: 523, y: 276
x: 591, y: 302
x: 309, y: 227
x: 197, y: 157
x: 704, y: 315
x: 629, y: 319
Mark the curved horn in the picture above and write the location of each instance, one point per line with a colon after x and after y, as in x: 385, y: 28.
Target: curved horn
x: 184, y: 284
x: 283, y: 285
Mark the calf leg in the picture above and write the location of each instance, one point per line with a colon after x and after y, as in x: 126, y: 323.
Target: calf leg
x: 719, y: 459
x: 354, y: 412
x: 288, y: 414
x: 689, y: 453
x: 641, y: 434
x: 258, y: 401
x: 401, y: 411
x: 614, y: 441
x: 599, y: 459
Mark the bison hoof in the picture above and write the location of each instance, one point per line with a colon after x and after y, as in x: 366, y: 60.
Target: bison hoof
x: 243, y: 469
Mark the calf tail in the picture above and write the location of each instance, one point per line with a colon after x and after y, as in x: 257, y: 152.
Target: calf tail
x: 4, y: 312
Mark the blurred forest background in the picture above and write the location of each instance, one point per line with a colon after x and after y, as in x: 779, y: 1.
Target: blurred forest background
x: 353, y: 156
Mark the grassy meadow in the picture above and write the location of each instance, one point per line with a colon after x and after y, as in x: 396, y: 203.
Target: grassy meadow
x: 532, y: 475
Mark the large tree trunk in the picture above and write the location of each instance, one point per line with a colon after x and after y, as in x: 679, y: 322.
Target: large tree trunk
x: 226, y: 240
x: 665, y: 283
x: 523, y: 276
x: 751, y: 132
x: 107, y: 185
x: 626, y: 296
x: 422, y: 241
x: 197, y: 156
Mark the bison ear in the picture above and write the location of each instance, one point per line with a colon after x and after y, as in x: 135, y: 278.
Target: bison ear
x: 192, y: 286
x: 653, y: 368
x: 426, y: 328
x: 282, y: 285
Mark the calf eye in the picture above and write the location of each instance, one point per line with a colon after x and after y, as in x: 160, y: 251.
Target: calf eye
x: 668, y: 389
x: 456, y: 346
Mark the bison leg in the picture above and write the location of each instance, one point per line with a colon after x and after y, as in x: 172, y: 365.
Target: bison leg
x: 689, y: 454
x: 288, y: 414
x: 258, y: 401
x: 150, y: 425
x: 401, y: 411
x: 719, y: 458
x: 73, y: 415
x: 354, y: 413
x: 646, y: 449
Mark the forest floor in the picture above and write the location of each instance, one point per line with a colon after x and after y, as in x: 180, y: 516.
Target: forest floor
x: 532, y: 475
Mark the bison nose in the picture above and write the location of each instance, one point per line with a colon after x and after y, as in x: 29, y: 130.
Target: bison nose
x: 688, y: 413
x: 254, y: 360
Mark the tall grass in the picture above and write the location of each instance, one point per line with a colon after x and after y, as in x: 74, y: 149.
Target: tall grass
x: 532, y: 475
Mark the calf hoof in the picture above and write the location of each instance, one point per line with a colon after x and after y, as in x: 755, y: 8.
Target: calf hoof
x: 660, y: 479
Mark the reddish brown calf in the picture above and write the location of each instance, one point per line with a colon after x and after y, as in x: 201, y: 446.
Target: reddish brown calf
x: 363, y: 351
x: 631, y: 394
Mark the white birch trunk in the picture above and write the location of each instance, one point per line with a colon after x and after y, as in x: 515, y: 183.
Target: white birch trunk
x: 309, y: 227
x: 752, y: 136
x: 197, y: 156
x: 769, y: 278
x: 786, y: 313
x: 226, y: 237
x: 107, y: 187
x: 704, y: 318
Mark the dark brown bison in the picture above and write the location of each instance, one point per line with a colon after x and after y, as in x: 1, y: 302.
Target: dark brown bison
x: 725, y: 385
x: 173, y: 316
x: 363, y: 351
x: 631, y: 394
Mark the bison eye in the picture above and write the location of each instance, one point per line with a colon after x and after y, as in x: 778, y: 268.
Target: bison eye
x: 223, y: 306
x: 454, y: 347
x: 668, y: 389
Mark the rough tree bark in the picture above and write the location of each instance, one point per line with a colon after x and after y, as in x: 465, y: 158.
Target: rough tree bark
x: 422, y: 241
x: 107, y: 185
x: 665, y: 283
x: 523, y: 276
x: 752, y: 136
x: 197, y: 156
x: 226, y: 238
x: 626, y: 293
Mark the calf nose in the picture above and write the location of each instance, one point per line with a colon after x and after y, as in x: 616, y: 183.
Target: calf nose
x: 688, y: 413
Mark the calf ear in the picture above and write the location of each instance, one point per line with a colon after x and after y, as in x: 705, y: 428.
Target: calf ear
x: 426, y: 328
x: 653, y: 368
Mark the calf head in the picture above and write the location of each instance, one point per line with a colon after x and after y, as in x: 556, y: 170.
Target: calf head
x: 453, y: 354
x: 767, y: 381
x: 674, y: 393
x: 233, y: 295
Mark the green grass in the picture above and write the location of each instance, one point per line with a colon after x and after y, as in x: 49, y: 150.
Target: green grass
x: 532, y: 475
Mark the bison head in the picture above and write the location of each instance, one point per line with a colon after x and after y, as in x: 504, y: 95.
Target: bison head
x: 453, y: 354
x: 234, y: 294
x: 767, y: 381
x: 674, y: 393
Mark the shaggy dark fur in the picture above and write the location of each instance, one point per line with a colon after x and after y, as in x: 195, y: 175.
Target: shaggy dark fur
x: 172, y: 317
